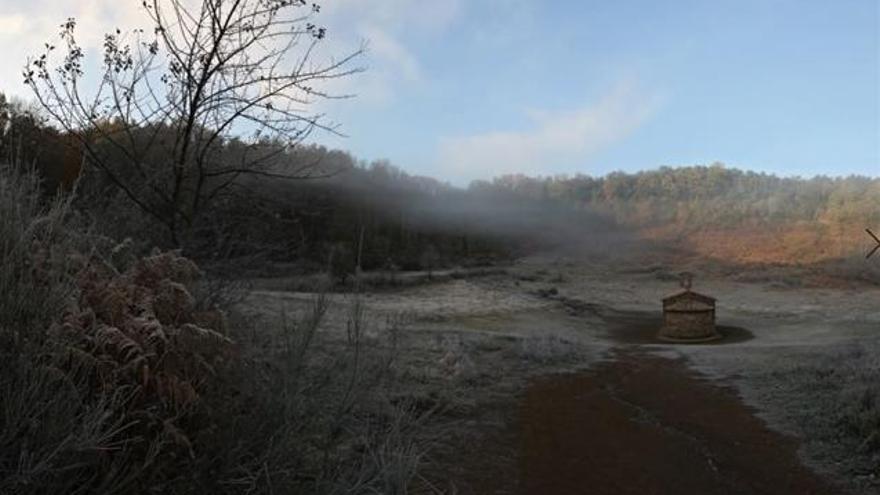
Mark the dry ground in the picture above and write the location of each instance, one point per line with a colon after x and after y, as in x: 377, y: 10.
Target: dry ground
x: 479, y: 350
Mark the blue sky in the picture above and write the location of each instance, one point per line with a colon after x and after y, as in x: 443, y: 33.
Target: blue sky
x: 467, y: 89
x: 789, y: 87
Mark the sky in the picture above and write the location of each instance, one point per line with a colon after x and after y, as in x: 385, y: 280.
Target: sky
x: 470, y: 89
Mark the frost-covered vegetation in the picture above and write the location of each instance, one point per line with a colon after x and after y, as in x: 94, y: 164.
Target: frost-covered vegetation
x: 118, y: 375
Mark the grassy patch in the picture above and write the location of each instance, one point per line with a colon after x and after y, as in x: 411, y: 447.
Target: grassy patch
x: 833, y: 401
x: 124, y: 374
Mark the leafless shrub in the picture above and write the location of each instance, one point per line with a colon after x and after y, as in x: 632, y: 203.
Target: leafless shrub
x: 455, y: 364
x: 165, y: 126
x: 57, y: 432
x: 34, y: 266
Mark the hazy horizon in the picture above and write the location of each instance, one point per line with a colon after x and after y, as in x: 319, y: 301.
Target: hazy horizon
x: 656, y: 168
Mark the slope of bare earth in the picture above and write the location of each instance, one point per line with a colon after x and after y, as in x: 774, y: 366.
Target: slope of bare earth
x: 789, y: 243
x: 486, y: 354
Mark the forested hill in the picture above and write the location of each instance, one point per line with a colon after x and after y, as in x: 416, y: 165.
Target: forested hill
x: 723, y: 212
x: 391, y: 217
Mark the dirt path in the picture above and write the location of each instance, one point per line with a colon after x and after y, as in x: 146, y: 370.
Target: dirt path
x: 636, y: 423
x: 641, y: 424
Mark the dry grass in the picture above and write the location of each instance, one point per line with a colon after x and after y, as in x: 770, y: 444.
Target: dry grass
x: 832, y: 400
x: 786, y: 244
x: 374, y: 281
x: 547, y: 349
x: 115, y: 378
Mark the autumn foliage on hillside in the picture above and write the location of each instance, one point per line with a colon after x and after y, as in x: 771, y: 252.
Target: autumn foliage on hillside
x: 723, y: 212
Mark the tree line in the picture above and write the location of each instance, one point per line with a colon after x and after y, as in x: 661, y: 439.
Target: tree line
x: 346, y: 212
x: 307, y: 204
x: 706, y: 196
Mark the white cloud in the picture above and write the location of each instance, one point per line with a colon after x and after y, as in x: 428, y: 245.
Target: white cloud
x: 420, y: 15
x: 385, y: 47
x: 386, y: 27
x: 25, y: 25
x: 11, y: 25
x: 555, y: 138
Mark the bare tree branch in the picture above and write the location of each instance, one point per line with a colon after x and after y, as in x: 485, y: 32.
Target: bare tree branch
x: 168, y: 102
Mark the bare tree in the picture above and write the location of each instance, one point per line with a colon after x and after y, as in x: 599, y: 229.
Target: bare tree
x: 218, y: 90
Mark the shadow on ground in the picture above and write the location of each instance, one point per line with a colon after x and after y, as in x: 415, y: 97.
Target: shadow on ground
x: 641, y: 328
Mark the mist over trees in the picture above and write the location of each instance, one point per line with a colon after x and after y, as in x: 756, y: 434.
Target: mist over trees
x: 196, y: 138
x: 377, y: 216
x: 338, y: 207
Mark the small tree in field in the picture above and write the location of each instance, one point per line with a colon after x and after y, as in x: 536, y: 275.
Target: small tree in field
x: 430, y: 259
x: 217, y: 90
x: 342, y: 262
